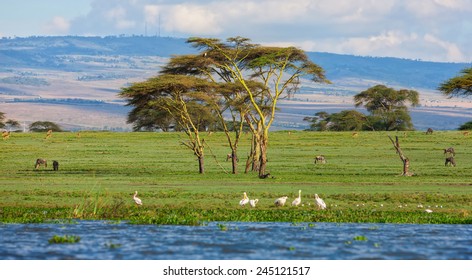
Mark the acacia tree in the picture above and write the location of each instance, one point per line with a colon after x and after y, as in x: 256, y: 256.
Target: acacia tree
x: 182, y: 98
x: 2, y: 119
x: 278, y: 69
x: 389, y: 106
x: 458, y: 86
x: 42, y: 126
x: 230, y: 101
x: 11, y: 124
x: 343, y: 121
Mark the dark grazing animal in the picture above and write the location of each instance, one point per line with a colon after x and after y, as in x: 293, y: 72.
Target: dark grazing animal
x: 55, y: 165
x: 450, y: 151
x: 450, y: 161
x: 429, y: 131
x: 264, y: 176
x: 40, y: 161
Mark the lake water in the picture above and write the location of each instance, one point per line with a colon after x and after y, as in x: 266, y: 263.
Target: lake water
x: 105, y: 240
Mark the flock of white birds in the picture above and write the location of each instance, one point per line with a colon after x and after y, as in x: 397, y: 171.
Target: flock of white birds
x: 282, y: 200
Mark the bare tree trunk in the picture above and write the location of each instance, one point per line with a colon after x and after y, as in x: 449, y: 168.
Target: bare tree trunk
x: 234, y: 161
x: 406, y: 167
x: 201, y: 164
x: 256, y: 154
x: 405, y: 160
x: 263, y: 142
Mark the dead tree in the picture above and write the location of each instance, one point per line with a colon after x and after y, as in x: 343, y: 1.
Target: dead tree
x: 405, y: 160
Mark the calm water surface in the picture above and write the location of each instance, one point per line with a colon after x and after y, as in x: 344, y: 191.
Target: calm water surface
x: 106, y: 240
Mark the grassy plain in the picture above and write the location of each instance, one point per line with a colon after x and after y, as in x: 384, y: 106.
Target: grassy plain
x: 99, y: 172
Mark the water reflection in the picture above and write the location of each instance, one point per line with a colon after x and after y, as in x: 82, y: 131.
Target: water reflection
x: 107, y: 240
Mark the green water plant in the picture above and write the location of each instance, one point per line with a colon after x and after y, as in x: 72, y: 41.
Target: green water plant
x: 360, y: 238
x: 56, y: 239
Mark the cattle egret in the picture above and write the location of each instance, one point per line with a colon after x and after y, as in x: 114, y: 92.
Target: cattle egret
x: 136, y: 199
x: 253, y: 202
x: 319, y: 202
x: 280, y: 201
x: 297, y: 200
x: 245, y: 200
x: 428, y: 211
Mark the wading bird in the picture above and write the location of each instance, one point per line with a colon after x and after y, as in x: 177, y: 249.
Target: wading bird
x: 136, y: 199
x: 280, y: 201
x: 253, y: 202
x: 319, y: 202
x: 245, y: 200
x: 297, y: 200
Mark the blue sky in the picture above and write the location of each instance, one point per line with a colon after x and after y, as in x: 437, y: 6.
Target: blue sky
x: 435, y: 30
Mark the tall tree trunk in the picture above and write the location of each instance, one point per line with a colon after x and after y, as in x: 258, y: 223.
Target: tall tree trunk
x: 263, y: 142
x: 234, y: 161
x: 201, y: 164
x: 406, y: 167
x: 256, y: 153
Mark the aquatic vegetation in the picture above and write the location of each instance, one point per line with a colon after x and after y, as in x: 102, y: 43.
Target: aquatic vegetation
x: 360, y: 238
x: 56, y: 239
x: 113, y: 245
x: 222, y: 227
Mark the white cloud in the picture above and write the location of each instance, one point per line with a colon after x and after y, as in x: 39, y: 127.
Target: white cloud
x: 453, y: 52
x: 424, y: 29
x: 433, y: 8
x: 58, y: 25
x: 152, y: 13
x: 191, y: 19
x: 119, y: 17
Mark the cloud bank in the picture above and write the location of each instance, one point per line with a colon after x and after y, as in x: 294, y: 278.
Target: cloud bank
x: 437, y: 30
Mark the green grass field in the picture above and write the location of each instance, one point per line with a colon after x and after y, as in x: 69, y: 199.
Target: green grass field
x: 99, y: 172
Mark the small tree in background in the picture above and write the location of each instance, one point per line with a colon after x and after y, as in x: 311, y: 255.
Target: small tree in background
x: 347, y: 120
x: 44, y: 126
x: 389, y: 106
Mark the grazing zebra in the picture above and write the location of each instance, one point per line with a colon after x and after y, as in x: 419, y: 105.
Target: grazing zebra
x: 40, y: 161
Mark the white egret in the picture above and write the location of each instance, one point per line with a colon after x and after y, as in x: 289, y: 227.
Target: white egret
x: 280, y: 201
x: 136, y: 199
x: 319, y: 202
x: 245, y: 200
x: 428, y: 211
x: 297, y: 200
x: 253, y: 202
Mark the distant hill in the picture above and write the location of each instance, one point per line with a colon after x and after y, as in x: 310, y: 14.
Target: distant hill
x: 41, y: 52
x: 42, y: 71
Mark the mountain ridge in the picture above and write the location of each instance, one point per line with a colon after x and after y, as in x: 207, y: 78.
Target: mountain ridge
x: 96, y: 68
